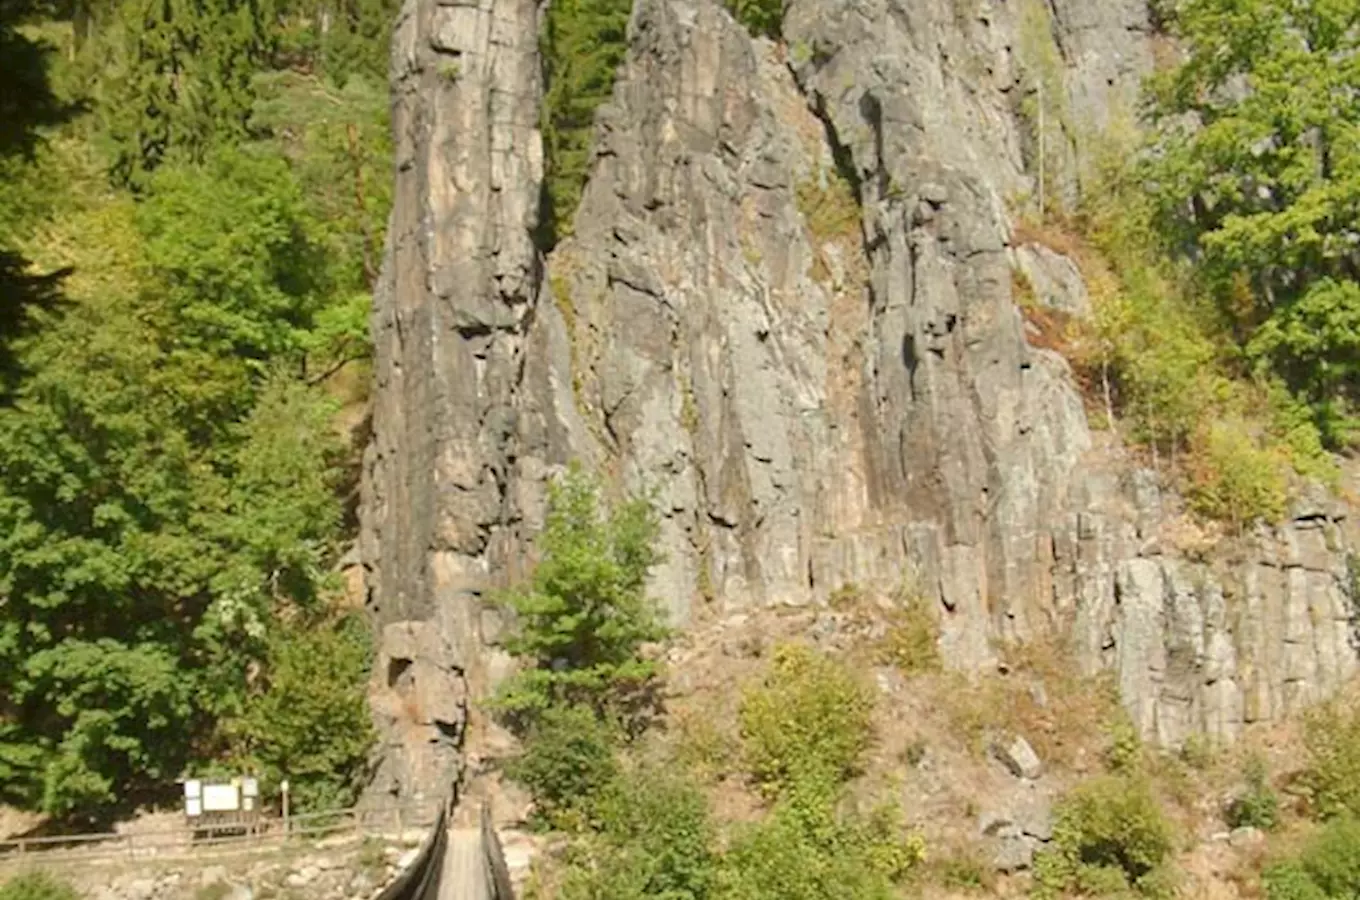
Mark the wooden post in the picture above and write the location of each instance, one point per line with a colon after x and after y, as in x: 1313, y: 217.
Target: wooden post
x: 284, y: 788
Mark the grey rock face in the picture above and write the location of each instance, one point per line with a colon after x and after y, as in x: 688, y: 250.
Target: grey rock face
x: 450, y: 321
x: 825, y: 385
x: 1018, y: 757
x: 1055, y: 280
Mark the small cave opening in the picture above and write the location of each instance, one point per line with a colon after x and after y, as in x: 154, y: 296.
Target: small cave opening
x: 397, y: 672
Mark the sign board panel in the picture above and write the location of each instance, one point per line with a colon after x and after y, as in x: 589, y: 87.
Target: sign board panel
x: 221, y: 798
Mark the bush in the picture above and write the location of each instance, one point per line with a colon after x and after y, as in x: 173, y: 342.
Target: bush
x: 1110, y: 836
x: 804, y: 851
x: 912, y: 642
x: 37, y: 886
x: 585, y: 615
x: 1124, y: 751
x: 1234, y: 479
x: 809, y: 719
x: 1328, y: 866
x: 311, y: 723
x: 1257, y: 806
x: 655, y: 840
x: 1332, y: 775
x: 762, y: 18
x: 568, y: 760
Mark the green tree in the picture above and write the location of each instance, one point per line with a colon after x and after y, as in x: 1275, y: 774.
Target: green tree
x: 163, y: 487
x: 1256, y: 172
x: 655, y: 839
x: 179, y: 78
x: 568, y: 761
x: 170, y: 465
x: 28, y: 104
x: 583, y: 44
x: 584, y: 616
x: 310, y: 723
x: 761, y: 17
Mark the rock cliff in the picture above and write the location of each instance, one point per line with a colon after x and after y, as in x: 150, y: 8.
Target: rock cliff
x: 786, y: 305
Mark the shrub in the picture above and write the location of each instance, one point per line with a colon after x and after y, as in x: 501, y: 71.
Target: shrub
x: 568, y: 759
x: 1332, y: 775
x: 1110, y: 836
x: 1257, y: 806
x: 1327, y: 867
x: 585, y: 615
x: 1234, y: 479
x: 808, y: 719
x: 1124, y: 751
x: 912, y: 642
x: 655, y: 840
x: 803, y: 851
x: 1197, y: 752
x: 311, y: 722
x: 762, y: 18
x: 965, y: 870
x: 37, y: 886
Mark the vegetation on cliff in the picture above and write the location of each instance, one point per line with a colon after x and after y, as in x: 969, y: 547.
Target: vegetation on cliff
x: 181, y: 283
x: 1223, y: 263
x: 639, y: 824
x: 583, y: 44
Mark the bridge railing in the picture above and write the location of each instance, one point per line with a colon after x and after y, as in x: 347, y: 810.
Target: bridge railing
x: 196, y: 841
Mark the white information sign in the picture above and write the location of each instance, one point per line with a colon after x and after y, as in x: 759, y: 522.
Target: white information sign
x: 221, y: 798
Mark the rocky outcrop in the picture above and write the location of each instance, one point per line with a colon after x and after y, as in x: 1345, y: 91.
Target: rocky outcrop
x: 451, y: 318
x: 787, y: 307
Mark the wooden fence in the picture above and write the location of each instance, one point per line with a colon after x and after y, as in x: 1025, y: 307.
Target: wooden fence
x: 189, y: 842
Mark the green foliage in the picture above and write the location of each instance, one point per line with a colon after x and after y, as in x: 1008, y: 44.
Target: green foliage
x: 912, y: 642
x: 1124, y: 747
x: 1328, y: 866
x: 1257, y: 806
x: 762, y: 18
x: 804, y: 851
x: 123, y: 707
x: 309, y: 722
x: 1110, y: 836
x: 582, y: 46
x: 1260, y: 191
x: 568, y: 760
x: 337, y: 140
x: 169, y: 466
x: 829, y: 205
x: 1332, y: 774
x: 178, y: 79
x: 1160, y: 353
x: 805, y: 727
x: 28, y: 103
x: 1234, y: 479
x: 37, y: 886
x: 584, y: 616
x: 1198, y: 751
x: 655, y: 840
x: 807, y: 722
